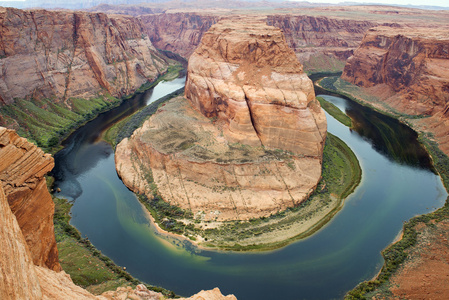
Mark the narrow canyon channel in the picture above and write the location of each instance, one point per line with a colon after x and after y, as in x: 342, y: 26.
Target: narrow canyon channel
x: 397, y: 184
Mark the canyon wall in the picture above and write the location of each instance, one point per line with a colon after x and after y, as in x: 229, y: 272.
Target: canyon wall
x: 59, y: 55
x: 311, y: 35
x: 318, y: 41
x: 178, y: 32
x: 22, y: 171
x: 407, y: 69
x: 247, y: 139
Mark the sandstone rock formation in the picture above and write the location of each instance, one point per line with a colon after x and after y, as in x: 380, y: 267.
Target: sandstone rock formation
x: 408, y: 69
x: 59, y: 54
x: 246, y: 76
x: 22, y: 170
x: 310, y: 36
x: 178, y: 32
x: 248, y: 141
x: 320, y: 42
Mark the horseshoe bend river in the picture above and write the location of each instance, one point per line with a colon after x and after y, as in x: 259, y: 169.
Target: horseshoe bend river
x: 397, y: 184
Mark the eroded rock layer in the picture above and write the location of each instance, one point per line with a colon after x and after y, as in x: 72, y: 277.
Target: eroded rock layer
x: 196, y: 168
x: 245, y: 75
x: 22, y: 169
x: 320, y: 41
x: 409, y: 69
x: 57, y: 54
x: 178, y: 32
x: 248, y: 141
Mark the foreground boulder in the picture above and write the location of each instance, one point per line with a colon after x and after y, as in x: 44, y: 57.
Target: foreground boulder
x: 247, y: 139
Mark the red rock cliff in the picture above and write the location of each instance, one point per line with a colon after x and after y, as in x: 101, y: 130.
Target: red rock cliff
x: 247, y: 76
x: 178, y: 32
x: 337, y: 37
x: 45, y: 54
x: 408, y: 68
x: 22, y: 169
x: 312, y: 38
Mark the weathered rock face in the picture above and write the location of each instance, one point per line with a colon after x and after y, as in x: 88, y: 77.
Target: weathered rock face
x: 22, y: 171
x: 197, y: 169
x: 411, y: 62
x: 55, y: 54
x: 410, y: 66
x: 246, y: 76
x: 178, y: 32
x: 331, y: 36
x: 248, y: 141
x: 319, y: 41
x: 17, y: 277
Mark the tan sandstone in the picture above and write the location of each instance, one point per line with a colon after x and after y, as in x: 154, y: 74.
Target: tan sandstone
x: 248, y: 141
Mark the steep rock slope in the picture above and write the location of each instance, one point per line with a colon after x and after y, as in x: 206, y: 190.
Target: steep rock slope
x: 319, y: 42
x: 22, y: 170
x: 246, y: 76
x: 178, y: 32
x: 57, y: 54
x: 408, y: 68
x: 248, y: 141
x: 307, y: 35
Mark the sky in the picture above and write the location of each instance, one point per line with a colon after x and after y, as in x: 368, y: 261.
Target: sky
x: 401, y: 2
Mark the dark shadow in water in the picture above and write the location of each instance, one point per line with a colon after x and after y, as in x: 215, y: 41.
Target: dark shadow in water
x: 386, y: 135
x: 89, y: 150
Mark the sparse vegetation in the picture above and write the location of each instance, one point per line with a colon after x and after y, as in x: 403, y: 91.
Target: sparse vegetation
x: 341, y: 174
x: 46, y: 122
x: 335, y: 112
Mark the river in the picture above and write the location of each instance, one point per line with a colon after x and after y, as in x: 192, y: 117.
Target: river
x: 397, y: 184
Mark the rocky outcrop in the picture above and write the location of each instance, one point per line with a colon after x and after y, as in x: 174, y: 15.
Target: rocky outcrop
x: 17, y: 277
x: 22, y: 171
x: 247, y: 77
x: 408, y: 69
x: 59, y: 55
x: 178, y: 32
x: 413, y: 63
x: 248, y: 141
x: 319, y: 42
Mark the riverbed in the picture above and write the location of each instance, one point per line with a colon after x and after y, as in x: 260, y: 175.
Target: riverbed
x: 397, y: 184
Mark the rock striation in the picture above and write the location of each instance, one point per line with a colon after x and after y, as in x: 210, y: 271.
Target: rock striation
x: 178, y: 32
x: 22, y: 169
x: 408, y: 69
x: 311, y: 35
x: 321, y: 42
x: 247, y: 77
x: 60, y: 54
x: 247, y: 139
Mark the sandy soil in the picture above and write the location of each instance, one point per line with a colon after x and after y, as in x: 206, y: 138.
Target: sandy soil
x: 425, y: 273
